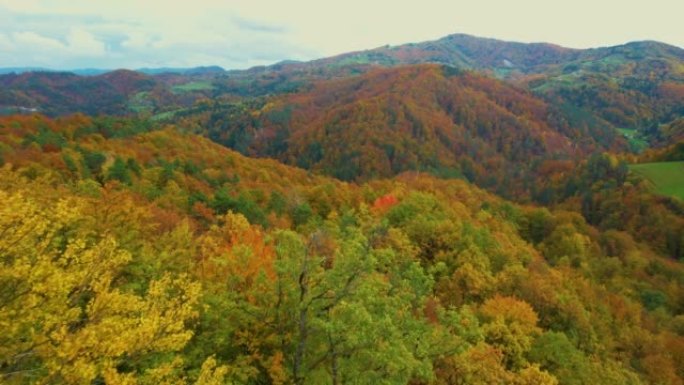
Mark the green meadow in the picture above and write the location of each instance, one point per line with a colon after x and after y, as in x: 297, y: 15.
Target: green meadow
x: 667, y: 177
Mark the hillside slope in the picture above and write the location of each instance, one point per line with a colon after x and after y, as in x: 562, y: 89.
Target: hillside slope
x: 426, y: 117
x: 637, y: 86
x: 146, y: 254
x: 120, y: 92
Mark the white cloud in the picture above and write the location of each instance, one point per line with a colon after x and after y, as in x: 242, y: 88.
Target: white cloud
x: 83, y: 43
x: 38, y: 42
x: 78, y: 43
x: 136, y: 40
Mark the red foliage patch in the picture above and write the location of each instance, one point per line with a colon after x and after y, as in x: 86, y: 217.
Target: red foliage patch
x: 385, y: 202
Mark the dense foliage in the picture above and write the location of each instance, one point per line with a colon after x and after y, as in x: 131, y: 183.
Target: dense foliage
x: 134, y: 253
x: 427, y: 118
x: 120, y: 92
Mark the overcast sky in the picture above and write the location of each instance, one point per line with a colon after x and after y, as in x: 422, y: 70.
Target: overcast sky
x: 69, y: 34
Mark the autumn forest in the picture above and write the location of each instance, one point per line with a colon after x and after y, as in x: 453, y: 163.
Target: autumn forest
x: 463, y: 211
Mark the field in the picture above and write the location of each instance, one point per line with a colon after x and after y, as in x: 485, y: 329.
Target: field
x: 164, y: 115
x: 637, y: 143
x: 140, y: 102
x: 193, y: 86
x: 667, y: 177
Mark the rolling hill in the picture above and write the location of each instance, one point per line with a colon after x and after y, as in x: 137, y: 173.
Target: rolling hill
x: 425, y: 117
x: 638, y: 85
x: 60, y: 93
x: 120, y: 92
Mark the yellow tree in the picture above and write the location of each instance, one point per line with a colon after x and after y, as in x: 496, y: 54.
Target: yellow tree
x: 64, y: 314
x: 511, y: 325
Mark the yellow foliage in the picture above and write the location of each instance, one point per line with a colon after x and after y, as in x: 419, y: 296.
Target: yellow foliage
x: 60, y: 309
x: 510, y: 310
x: 532, y: 375
x: 211, y: 374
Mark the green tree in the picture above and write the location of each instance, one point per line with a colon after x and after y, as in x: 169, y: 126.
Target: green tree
x: 93, y: 162
x: 119, y: 171
x: 333, y: 309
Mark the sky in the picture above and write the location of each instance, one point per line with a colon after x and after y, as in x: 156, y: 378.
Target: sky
x: 236, y: 34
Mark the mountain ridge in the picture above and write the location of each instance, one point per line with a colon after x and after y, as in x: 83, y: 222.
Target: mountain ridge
x: 102, y: 71
x: 460, y: 38
x: 637, y: 86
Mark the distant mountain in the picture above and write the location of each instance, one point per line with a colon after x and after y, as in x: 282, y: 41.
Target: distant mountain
x: 57, y: 93
x: 90, y: 71
x: 501, y: 58
x: 464, y: 51
x: 637, y: 86
x: 100, y: 71
x: 20, y: 70
x: 78, y: 71
x: 118, y: 92
x: 209, y: 70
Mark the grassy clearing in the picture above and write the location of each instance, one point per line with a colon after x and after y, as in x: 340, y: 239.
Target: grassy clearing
x: 667, y: 177
x: 163, y: 116
x: 140, y: 103
x: 636, y: 142
x: 194, y: 86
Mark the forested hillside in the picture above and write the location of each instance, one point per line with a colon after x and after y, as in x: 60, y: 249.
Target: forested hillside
x: 429, y: 118
x: 133, y: 252
x: 637, y: 86
x: 120, y: 92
